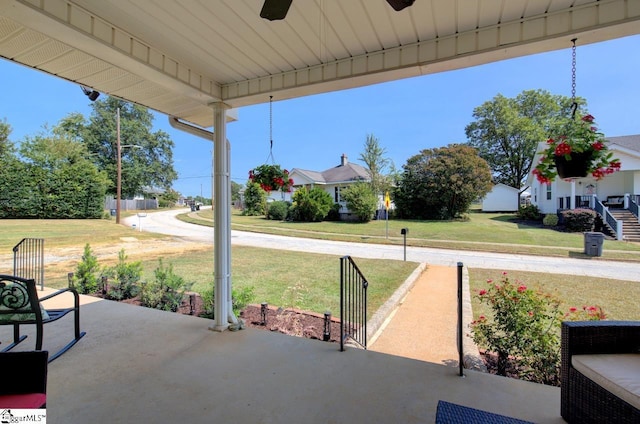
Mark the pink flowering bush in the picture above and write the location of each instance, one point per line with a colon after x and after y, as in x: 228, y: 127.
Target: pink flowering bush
x: 524, y: 328
x: 580, y: 135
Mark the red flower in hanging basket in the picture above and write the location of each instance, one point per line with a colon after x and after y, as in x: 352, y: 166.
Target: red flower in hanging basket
x: 580, y: 139
x: 271, y: 178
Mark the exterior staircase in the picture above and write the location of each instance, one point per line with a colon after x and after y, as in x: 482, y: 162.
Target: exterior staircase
x: 630, y: 225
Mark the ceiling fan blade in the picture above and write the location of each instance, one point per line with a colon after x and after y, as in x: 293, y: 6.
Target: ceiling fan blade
x: 274, y: 10
x: 398, y: 5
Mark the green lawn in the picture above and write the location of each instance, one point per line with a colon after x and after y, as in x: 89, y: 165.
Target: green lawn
x: 290, y: 279
x: 620, y: 300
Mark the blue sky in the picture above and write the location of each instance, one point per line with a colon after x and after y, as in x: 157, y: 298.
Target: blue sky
x: 406, y: 116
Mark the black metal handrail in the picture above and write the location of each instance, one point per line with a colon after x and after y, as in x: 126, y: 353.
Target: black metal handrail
x: 28, y: 260
x: 633, y: 205
x: 353, y: 303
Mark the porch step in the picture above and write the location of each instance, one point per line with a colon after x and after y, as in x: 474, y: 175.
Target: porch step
x: 630, y: 225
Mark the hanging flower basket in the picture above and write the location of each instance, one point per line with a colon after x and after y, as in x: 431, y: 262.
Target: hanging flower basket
x: 271, y: 178
x: 576, y: 166
x: 580, y: 150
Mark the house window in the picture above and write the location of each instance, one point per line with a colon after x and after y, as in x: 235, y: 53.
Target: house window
x: 548, y: 191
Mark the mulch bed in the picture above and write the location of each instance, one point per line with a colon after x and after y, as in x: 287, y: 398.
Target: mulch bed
x: 292, y: 322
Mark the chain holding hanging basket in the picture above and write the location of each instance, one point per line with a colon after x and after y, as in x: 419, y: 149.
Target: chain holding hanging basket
x: 271, y: 177
x: 579, y: 150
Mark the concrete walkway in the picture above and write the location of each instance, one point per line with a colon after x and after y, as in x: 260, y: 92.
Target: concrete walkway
x: 423, y: 326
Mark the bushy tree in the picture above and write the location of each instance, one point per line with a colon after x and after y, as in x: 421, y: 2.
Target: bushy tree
x: 168, y: 198
x: 361, y: 200
x: 53, y: 180
x: 148, y: 166
x: 255, y: 200
x: 506, y: 131
x: 441, y: 183
x: 310, y: 205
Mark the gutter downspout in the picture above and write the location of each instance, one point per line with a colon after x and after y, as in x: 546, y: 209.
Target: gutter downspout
x: 221, y: 185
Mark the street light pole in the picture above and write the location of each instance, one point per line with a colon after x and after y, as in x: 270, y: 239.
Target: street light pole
x: 119, y: 165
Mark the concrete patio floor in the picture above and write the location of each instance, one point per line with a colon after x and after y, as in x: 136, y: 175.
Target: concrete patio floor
x: 141, y: 365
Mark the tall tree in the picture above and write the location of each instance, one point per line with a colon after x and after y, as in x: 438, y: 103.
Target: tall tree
x: 506, y: 131
x: 441, y: 183
x: 374, y: 158
x: 149, y: 166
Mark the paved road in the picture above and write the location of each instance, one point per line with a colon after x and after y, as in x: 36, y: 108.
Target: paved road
x: 164, y: 222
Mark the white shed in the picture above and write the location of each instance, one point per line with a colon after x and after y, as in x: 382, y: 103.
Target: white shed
x: 501, y: 198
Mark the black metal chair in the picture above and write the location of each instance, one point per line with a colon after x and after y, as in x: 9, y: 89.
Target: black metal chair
x: 24, y: 379
x: 20, y: 305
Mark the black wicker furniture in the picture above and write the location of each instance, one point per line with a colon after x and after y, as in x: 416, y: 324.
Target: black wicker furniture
x: 583, y: 397
x: 20, y: 305
x: 24, y: 380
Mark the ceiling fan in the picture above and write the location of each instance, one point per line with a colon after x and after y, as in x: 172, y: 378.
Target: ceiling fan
x: 274, y: 10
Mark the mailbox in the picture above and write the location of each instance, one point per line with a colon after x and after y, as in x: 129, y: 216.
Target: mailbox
x: 404, y: 231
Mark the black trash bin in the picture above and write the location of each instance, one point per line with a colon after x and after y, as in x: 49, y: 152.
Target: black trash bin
x: 113, y: 212
x: 593, y: 242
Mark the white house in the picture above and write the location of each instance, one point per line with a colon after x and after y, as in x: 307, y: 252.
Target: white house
x: 569, y: 194
x: 501, y: 198
x: 332, y: 180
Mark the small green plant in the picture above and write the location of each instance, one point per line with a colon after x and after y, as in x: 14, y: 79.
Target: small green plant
x: 240, y: 298
x: 167, y: 291
x: 294, y: 296
x: 550, y: 220
x: 579, y: 220
x: 127, y: 276
x: 85, y: 279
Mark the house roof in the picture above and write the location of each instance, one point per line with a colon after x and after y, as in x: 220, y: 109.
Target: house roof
x: 345, y: 172
x: 631, y: 142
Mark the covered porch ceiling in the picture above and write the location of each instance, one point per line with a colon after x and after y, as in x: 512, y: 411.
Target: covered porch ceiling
x: 179, y: 57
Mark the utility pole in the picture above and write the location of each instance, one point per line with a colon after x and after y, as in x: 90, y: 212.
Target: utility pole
x: 119, y: 167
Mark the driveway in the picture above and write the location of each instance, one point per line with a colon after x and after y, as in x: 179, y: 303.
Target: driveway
x: 165, y: 222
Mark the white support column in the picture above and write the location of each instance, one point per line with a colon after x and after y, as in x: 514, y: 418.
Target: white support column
x: 222, y: 219
x: 572, y: 201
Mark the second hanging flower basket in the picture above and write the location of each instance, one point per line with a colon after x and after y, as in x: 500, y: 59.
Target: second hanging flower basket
x: 580, y: 150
